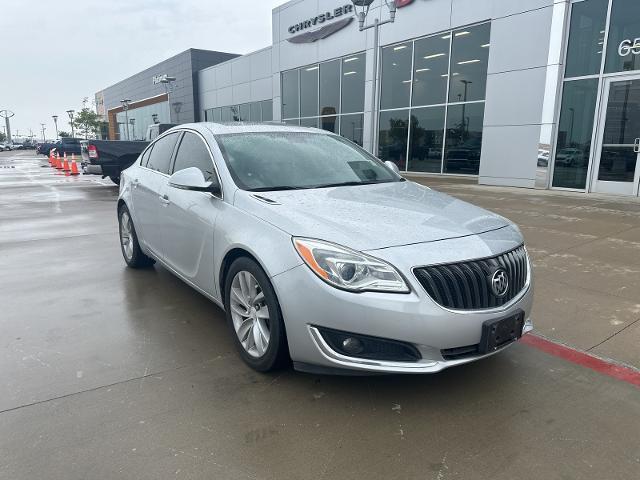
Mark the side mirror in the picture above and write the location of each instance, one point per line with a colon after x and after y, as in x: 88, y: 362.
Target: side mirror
x: 392, y: 166
x: 192, y: 179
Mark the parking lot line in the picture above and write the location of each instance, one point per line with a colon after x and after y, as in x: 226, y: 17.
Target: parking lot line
x: 609, y: 368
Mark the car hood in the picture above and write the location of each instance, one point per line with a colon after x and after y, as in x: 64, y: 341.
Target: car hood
x: 369, y: 217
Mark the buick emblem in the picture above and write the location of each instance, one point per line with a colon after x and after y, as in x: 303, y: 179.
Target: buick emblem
x: 499, y: 282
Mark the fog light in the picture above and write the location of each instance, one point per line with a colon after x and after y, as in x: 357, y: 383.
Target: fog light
x: 352, y: 345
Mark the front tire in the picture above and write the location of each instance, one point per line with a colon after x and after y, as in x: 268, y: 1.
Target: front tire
x: 254, y: 316
x: 129, y: 244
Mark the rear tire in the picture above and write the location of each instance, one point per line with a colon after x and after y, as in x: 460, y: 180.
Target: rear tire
x: 254, y: 317
x: 129, y: 245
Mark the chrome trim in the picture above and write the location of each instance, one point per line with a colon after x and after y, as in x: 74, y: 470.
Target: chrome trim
x: 502, y: 308
x: 429, y: 366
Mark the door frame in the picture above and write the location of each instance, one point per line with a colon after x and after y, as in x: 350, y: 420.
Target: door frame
x: 603, y: 186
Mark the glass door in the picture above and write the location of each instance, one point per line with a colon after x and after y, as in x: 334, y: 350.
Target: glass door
x: 617, y: 168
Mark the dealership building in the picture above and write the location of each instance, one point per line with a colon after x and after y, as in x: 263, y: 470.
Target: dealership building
x: 528, y: 93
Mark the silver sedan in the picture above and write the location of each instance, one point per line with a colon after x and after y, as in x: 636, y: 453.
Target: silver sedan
x: 322, y: 255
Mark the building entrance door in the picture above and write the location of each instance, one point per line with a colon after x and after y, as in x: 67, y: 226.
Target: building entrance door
x: 617, y: 167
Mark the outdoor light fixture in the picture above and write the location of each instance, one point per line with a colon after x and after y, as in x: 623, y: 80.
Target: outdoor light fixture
x: 55, y: 121
x: 125, y: 106
x: 70, y: 113
x: 361, y: 10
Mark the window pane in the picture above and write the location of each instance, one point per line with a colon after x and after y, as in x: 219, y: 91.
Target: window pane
x: 574, y: 133
x: 396, y: 76
x: 309, y: 122
x: 469, y: 59
x: 586, y: 35
x: 329, y: 87
x: 208, y: 115
x: 290, y: 90
x: 431, y: 68
x: 217, y: 112
x: 329, y: 123
x: 309, y: 91
x: 256, y: 116
x: 292, y: 122
x: 160, y: 158
x: 226, y: 114
x: 267, y: 110
x: 624, y: 27
x: 426, y: 139
x: 351, y: 127
x: 235, y: 113
x: 192, y: 152
x: 353, y: 83
x: 392, y: 138
x: 464, y: 138
x: 245, y: 112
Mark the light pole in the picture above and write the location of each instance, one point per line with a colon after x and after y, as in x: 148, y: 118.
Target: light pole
x: 125, y: 106
x: 43, y: 129
x: 168, y: 88
x: 55, y: 122
x: 7, y: 114
x: 71, y: 112
x: 361, y: 12
x: 132, y: 121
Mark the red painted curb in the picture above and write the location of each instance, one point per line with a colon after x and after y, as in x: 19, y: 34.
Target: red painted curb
x: 610, y: 369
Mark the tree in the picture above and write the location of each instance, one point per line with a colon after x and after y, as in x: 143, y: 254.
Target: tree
x: 88, y: 122
x: 62, y: 133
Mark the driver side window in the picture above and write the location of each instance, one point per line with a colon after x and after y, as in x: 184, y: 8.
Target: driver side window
x: 193, y: 152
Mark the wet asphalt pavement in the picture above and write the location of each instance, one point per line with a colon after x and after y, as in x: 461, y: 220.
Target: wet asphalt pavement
x: 109, y: 373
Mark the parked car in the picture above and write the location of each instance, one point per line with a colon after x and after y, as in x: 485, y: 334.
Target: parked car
x: 569, y: 157
x: 110, y: 157
x: 68, y: 145
x: 320, y: 253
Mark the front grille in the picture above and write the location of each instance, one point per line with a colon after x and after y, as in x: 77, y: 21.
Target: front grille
x: 467, y: 285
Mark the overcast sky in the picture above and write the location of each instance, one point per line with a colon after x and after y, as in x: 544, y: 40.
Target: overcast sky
x: 54, y: 53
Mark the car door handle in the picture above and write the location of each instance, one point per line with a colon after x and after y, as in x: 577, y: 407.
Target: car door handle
x: 165, y: 199
x: 135, y: 182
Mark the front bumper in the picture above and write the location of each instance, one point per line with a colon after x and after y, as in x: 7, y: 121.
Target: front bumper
x: 307, y: 302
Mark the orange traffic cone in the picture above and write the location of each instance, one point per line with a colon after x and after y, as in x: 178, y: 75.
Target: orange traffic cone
x: 74, y: 167
x: 65, y: 165
x: 52, y: 158
x: 58, y: 162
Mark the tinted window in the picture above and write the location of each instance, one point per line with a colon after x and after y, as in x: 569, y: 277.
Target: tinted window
x: 245, y: 112
x: 464, y: 138
x: 426, y: 140
x: 160, y: 157
x: 351, y: 127
x: 255, y: 112
x: 396, y: 76
x: 574, y: 133
x: 271, y: 161
x: 309, y: 122
x: 430, y: 70
x: 586, y: 35
x: 469, y: 60
x: 145, y: 156
x: 267, y: 110
x: 392, y: 143
x: 353, y: 70
x: 309, y: 91
x: 623, y: 47
x: 330, y: 87
x: 290, y: 103
x: 192, y: 152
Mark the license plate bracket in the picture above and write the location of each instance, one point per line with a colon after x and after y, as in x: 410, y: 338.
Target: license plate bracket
x: 500, y: 332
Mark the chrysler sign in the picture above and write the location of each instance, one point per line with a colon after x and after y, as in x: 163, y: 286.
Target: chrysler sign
x: 309, y: 34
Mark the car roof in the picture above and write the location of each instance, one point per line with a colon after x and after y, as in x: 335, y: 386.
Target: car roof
x: 221, y: 128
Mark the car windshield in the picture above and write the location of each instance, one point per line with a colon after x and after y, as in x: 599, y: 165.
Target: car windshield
x: 299, y: 160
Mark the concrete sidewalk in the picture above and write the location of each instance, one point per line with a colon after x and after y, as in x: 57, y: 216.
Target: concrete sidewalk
x: 586, y: 255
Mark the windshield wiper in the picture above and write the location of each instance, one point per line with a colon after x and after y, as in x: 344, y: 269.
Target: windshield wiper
x: 351, y: 184
x: 275, y: 189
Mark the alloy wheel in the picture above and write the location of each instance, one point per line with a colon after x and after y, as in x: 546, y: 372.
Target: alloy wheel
x: 126, y: 236
x: 250, y: 314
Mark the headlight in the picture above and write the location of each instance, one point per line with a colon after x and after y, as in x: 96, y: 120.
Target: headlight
x: 348, y: 269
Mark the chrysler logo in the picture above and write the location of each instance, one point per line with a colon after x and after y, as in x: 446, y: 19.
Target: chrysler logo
x: 499, y: 282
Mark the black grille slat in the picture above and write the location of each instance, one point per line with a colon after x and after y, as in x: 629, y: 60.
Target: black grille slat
x: 465, y: 285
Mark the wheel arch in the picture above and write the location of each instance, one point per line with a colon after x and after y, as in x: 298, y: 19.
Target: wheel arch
x: 232, y: 255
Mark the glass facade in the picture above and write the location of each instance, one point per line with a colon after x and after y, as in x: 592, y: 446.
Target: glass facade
x: 590, y: 37
x: 246, y: 112
x: 139, y: 120
x: 328, y: 95
x: 432, y: 101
